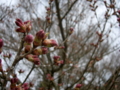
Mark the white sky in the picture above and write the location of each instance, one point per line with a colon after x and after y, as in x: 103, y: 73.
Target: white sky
x: 8, y: 2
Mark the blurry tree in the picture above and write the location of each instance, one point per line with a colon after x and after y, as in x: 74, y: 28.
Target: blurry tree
x: 85, y: 57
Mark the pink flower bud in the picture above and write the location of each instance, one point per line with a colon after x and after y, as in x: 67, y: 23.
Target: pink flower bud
x: 56, y: 57
x: 19, y: 22
x: 118, y: 19
x: 118, y: 11
x: 29, y: 38
x: 28, y: 26
x: 78, y: 85
x: 71, y: 30
x: 33, y: 58
x: 1, y: 66
x: 27, y: 48
x: 49, y: 43
x: 20, y: 30
x: 44, y: 50
x: 14, y: 80
x: 37, y: 42
x: 40, y: 51
x: 25, y: 86
x: 40, y: 34
x: 1, y: 43
x: 61, y: 62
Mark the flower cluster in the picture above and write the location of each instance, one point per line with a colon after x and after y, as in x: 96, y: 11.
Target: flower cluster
x: 35, y: 45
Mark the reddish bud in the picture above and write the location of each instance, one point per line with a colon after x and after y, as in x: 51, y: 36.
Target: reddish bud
x: 20, y: 30
x: 71, y: 30
x: 40, y: 51
x: 56, y: 57
x: 78, y: 86
x: 40, y: 34
x: 19, y: 22
x: 33, y: 58
x: 1, y: 66
x: 49, y: 43
x: 27, y: 48
x: 25, y: 86
x: 29, y: 38
x: 118, y: 19
x: 48, y: 9
x: 14, y: 80
x: 1, y: 43
x: 118, y: 11
x: 28, y: 25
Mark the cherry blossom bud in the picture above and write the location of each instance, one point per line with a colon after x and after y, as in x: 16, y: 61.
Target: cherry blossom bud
x: 20, y: 30
x: 14, y: 80
x: 36, y: 42
x: 27, y: 48
x: 33, y: 58
x: 28, y: 26
x: 40, y: 51
x: 1, y: 66
x: 49, y: 43
x: 78, y: 86
x: 40, y: 34
x: 19, y: 22
x: 118, y: 11
x: 29, y: 38
x: 25, y: 86
x: 118, y: 19
x: 71, y: 30
x: 56, y: 57
x: 1, y: 45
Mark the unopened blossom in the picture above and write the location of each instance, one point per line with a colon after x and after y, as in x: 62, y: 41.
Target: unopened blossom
x: 22, y: 26
x: 40, y: 34
x: 29, y: 38
x: 25, y: 86
x: 40, y: 51
x: 14, y: 80
x: 28, y: 25
x: 1, y: 69
x: 49, y: 43
x: 71, y: 30
x: 56, y: 57
x: 27, y: 48
x: 78, y: 86
x: 33, y: 58
x: 118, y: 19
x: 1, y: 45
